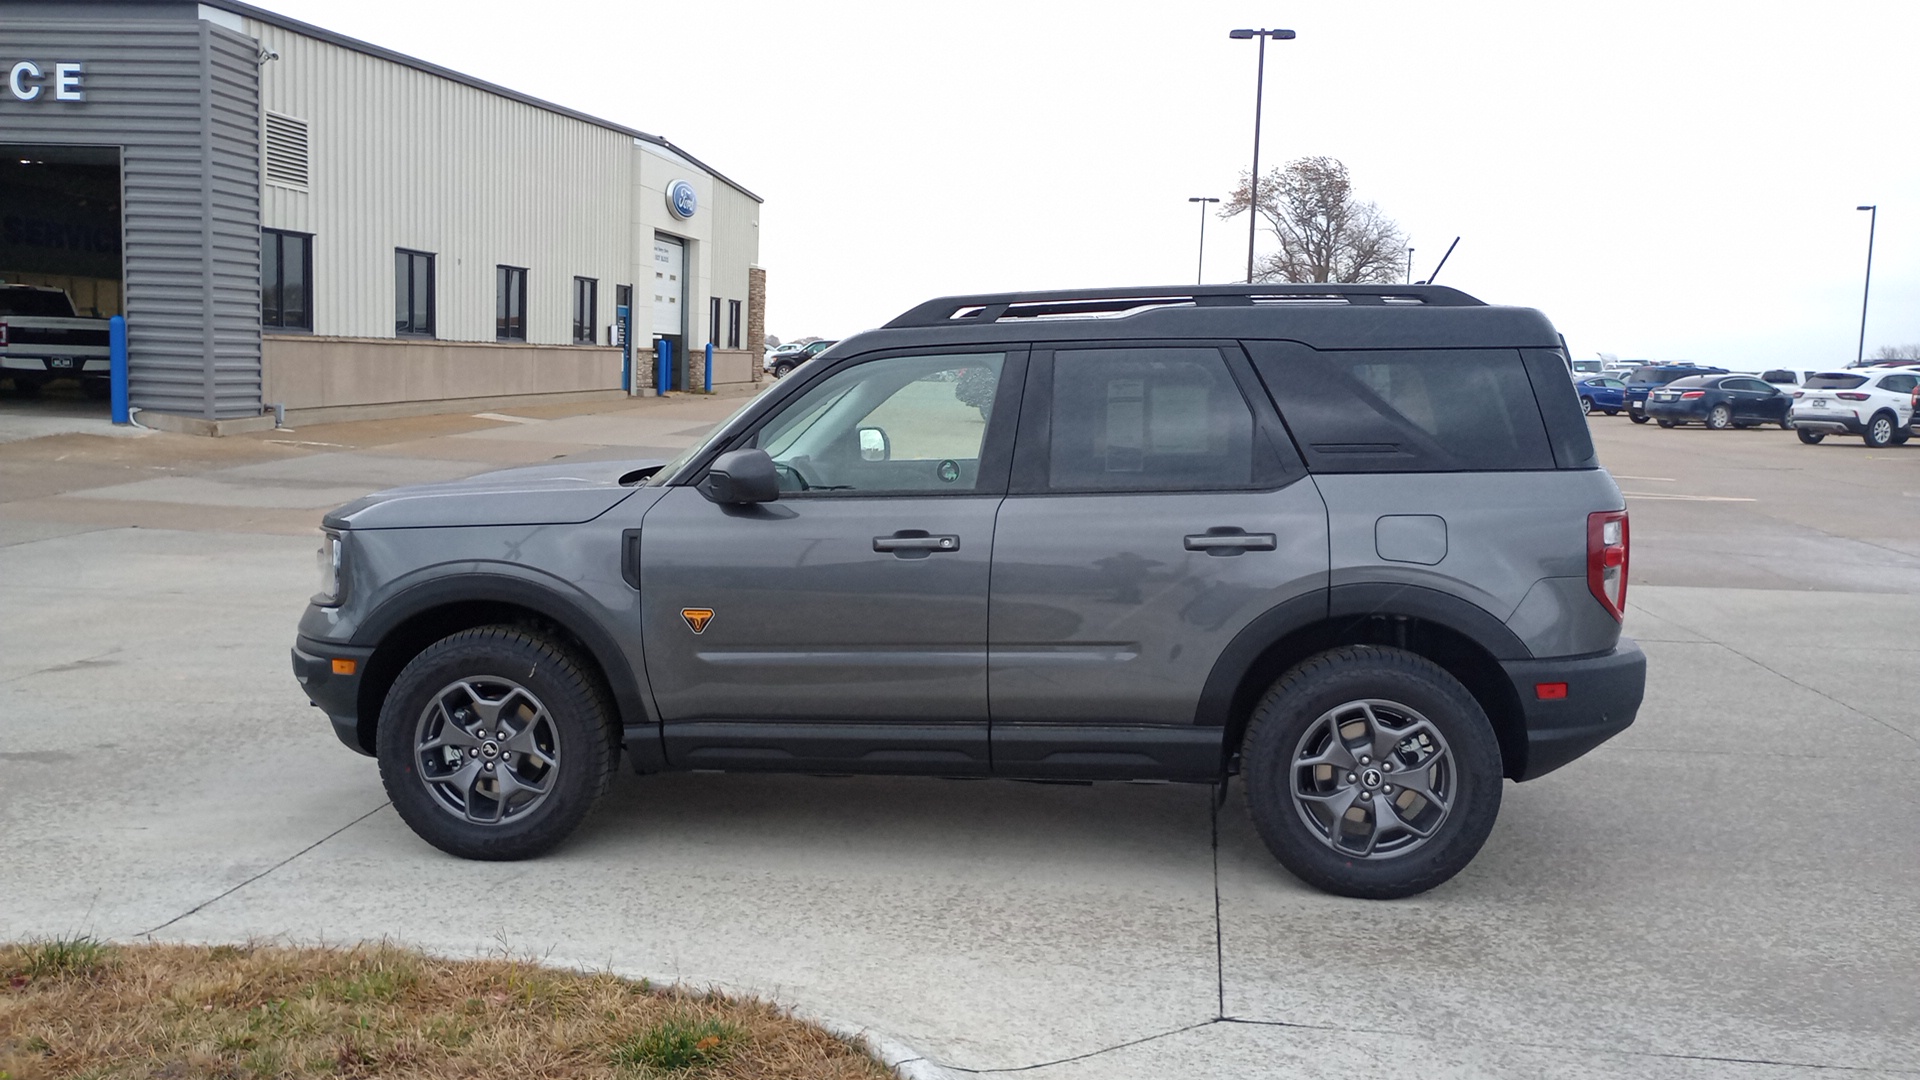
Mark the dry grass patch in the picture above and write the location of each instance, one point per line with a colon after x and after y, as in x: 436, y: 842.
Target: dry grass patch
x: 81, y: 1008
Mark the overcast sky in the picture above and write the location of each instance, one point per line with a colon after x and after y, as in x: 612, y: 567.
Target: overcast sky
x: 1669, y: 180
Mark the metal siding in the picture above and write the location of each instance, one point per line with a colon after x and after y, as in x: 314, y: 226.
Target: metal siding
x: 186, y: 127
x: 401, y: 158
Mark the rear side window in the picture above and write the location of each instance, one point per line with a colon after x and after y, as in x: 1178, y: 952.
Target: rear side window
x: 1437, y: 410
x: 1834, y: 382
x: 1148, y: 420
x: 1899, y: 384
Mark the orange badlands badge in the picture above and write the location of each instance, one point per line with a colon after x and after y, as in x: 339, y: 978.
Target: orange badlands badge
x: 697, y: 618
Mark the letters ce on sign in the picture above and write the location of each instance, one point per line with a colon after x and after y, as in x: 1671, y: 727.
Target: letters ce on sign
x: 26, y: 81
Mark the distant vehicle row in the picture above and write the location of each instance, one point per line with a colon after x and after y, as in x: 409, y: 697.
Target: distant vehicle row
x: 1879, y: 403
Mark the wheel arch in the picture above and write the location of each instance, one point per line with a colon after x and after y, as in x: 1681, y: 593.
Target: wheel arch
x: 1462, y: 638
x: 402, y: 627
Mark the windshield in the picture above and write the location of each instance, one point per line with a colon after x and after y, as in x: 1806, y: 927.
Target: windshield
x: 660, y: 478
x: 1834, y: 382
x: 44, y: 302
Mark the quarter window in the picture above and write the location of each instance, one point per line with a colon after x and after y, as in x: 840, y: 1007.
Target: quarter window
x: 412, y: 293
x: 1147, y: 420
x: 902, y: 425
x: 286, y: 280
x: 733, y: 324
x: 510, y: 303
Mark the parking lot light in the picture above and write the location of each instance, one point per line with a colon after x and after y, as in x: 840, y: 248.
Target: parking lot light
x: 1259, y: 89
x: 1873, y: 218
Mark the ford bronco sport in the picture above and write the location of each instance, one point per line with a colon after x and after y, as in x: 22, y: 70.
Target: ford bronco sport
x: 1349, y: 543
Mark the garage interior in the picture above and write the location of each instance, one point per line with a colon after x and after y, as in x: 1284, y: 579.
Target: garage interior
x: 60, y: 226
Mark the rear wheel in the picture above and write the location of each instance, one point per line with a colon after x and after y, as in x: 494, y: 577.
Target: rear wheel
x: 1666, y: 423
x: 1880, y: 429
x: 495, y: 742
x: 1586, y: 405
x: 1637, y: 417
x: 1720, y: 417
x: 1786, y: 422
x: 1371, y: 772
x: 1811, y: 438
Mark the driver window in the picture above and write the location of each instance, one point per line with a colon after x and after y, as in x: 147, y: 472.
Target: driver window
x: 902, y: 425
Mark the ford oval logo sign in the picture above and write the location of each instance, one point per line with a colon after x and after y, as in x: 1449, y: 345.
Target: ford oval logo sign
x: 682, y: 200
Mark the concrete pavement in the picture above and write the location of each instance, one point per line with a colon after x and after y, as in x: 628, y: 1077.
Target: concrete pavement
x: 1729, y: 889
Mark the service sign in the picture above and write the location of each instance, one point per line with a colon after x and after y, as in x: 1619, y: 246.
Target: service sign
x: 32, y: 80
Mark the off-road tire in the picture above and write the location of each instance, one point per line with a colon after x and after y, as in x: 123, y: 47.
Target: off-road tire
x: 1297, y: 702
x: 576, y: 700
x: 1811, y: 438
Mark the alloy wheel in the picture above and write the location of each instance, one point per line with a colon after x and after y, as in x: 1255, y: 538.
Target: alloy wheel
x: 1373, y: 779
x: 487, y: 749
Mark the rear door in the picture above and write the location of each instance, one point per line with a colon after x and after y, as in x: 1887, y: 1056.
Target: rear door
x: 1154, y: 512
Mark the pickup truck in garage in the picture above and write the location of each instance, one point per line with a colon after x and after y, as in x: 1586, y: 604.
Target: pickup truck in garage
x: 41, y: 339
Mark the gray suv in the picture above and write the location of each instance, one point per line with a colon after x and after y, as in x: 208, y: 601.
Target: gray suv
x: 1349, y: 543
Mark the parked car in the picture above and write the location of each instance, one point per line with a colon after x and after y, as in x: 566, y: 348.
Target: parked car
x: 1720, y: 402
x: 42, y: 339
x: 1875, y: 403
x: 1642, y: 380
x: 1602, y: 392
x: 1581, y: 368
x: 782, y: 362
x: 1223, y: 538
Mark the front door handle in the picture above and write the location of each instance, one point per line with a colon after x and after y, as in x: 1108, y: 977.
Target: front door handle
x: 1230, y: 542
x: 916, y: 543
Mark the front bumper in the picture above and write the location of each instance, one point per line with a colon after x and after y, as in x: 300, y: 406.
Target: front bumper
x: 1603, y: 694
x: 334, y: 690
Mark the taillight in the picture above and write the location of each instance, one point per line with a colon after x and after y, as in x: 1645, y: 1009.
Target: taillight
x: 1691, y: 394
x: 1607, y: 560
x: 1797, y: 393
x: 1851, y: 397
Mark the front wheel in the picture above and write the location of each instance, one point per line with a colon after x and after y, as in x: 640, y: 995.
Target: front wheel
x: 780, y: 369
x: 1811, y: 438
x: 1371, y: 772
x: 495, y: 742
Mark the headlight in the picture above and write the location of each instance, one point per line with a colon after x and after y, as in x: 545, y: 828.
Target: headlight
x: 328, y: 558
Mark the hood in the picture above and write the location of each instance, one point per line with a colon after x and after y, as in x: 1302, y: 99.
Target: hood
x: 565, y: 494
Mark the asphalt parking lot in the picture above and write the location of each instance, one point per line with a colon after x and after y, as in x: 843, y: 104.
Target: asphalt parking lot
x: 1731, y: 888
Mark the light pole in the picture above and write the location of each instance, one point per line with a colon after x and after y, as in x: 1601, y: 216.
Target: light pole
x: 1259, y: 91
x: 1873, y: 218
x: 1203, y: 201
x: 1409, y: 264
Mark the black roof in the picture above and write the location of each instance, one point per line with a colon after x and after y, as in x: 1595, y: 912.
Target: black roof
x: 1321, y: 315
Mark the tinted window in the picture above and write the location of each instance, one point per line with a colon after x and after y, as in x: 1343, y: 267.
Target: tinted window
x: 1899, y: 384
x: 1148, y: 420
x: 1834, y: 382
x: 1695, y: 380
x: 1754, y: 385
x: 1778, y: 376
x: 907, y: 424
x: 1438, y: 410
x: 42, y: 302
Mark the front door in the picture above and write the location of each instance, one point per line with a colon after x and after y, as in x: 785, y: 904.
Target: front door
x: 844, y: 626
x: 1155, y: 513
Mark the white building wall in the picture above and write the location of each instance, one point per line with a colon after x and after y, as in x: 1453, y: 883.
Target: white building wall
x: 402, y: 158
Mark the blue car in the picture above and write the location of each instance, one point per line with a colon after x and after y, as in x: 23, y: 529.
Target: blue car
x: 1641, y: 380
x: 1602, y: 392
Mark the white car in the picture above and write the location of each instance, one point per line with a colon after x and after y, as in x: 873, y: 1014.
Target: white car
x: 1876, y: 404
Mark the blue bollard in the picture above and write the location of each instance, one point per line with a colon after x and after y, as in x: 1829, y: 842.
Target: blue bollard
x: 117, y: 367
x: 663, y: 353
x: 709, y: 367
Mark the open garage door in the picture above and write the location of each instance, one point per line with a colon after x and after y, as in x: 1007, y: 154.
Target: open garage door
x: 60, y: 267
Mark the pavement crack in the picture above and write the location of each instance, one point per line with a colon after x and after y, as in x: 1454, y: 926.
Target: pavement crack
x: 1764, y: 666
x: 1082, y: 1057
x: 204, y: 904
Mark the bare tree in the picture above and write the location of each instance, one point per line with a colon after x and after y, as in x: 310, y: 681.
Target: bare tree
x: 1325, y: 233
x: 1896, y: 352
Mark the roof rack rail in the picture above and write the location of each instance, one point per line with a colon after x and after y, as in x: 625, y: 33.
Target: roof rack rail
x: 1119, y: 303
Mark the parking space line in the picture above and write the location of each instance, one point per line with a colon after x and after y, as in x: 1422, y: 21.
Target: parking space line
x: 1685, y: 498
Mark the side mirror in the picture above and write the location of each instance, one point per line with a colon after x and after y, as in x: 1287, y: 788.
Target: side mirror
x: 741, y: 477
x: 874, y: 445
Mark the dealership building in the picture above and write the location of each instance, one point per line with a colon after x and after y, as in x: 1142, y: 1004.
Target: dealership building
x: 294, y: 220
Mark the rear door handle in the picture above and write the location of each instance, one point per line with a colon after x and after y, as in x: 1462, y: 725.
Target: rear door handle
x: 1222, y: 542
x: 916, y: 543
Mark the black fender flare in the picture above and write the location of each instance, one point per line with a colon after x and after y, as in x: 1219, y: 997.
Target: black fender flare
x: 468, y: 587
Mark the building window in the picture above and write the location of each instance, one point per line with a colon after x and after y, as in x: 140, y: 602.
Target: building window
x: 733, y: 324
x: 412, y: 293
x: 713, y: 319
x: 586, y: 304
x: 286, y: 280
x: 510, y: 303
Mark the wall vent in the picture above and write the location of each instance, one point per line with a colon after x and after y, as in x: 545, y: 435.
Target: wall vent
x: 286, y: 156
